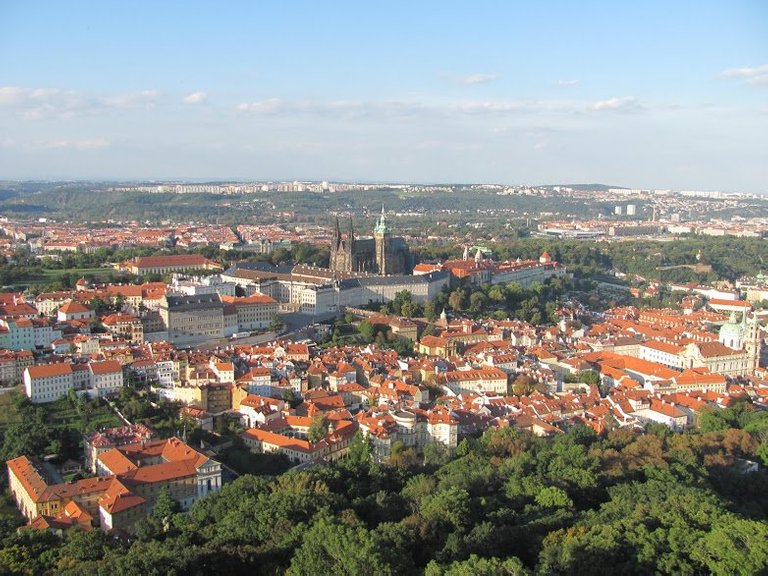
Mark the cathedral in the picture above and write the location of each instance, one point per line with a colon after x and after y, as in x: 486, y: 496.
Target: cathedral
x: 383, y: 254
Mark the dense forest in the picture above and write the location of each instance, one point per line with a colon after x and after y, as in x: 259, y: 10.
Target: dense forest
x: 506, y: 503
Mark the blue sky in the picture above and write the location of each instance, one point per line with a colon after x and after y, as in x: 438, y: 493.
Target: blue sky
x: 641, y: 94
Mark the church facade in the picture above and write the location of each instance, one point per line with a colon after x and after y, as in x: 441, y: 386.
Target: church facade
x: 383, y: 254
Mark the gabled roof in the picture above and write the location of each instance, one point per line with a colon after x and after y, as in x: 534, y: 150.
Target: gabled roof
x: 73, y: 307
x: 116, y: 462
x: 49, y: 370
x: 118, y: 498
x: 105, y: 367
x: 255, y: 299
x: 699, y: 376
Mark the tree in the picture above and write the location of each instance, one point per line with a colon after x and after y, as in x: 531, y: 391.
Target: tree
x: 359, y: 454
x: 456, y: 300
x: 734, y: 546
x: 318, y: 428
x: 276, y: 324
x: 336, y: 549
x: 80, y: 546
x: 409, y: 309
x: 588, y: 377
x: 496, y: 293
x: 477, y: 302
x: 366, y: 329
x: 99, y: 306
x: 712, y: 420
x: 30, y: 436
x: 401, y: 456
x: 478, y: 566
x: 523, y: 385
x: 430, y: 311
x: 436, y: 454
x: 401, y: 298
x: 28, y: 551
x: 165, y: 506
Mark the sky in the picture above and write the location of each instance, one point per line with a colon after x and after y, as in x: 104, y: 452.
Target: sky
x: 651, y: 94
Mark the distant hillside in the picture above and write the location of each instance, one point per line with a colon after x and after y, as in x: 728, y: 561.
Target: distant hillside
x: 85, y: 202
x: 583, y: 187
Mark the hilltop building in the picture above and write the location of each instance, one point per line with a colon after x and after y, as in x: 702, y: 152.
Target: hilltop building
x: 383, y: 254
x: 320, y: 291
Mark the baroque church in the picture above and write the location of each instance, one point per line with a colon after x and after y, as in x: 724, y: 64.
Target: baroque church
x: 383, y: 254
x: 746, y: 336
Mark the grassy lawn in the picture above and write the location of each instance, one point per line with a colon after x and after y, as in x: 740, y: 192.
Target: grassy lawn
x: 58, y: 415
x: 47, y: 276
x: 62, y: 415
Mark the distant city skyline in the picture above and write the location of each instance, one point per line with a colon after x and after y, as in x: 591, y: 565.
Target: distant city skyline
x: 649, y: 95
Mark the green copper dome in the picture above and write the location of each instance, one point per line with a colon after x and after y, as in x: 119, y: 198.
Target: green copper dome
x: 381, y: 224
x: 732, y: 333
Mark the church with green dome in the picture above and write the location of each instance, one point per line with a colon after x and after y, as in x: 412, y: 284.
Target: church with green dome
x: 383, y: 254
x: 745, y: 334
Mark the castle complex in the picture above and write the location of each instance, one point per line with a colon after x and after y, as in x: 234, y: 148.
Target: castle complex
x: 383, y: 254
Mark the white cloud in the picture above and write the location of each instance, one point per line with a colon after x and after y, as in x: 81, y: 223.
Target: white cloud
x: 624, y: 104
x: 10, y: 95
x: 16, y: 95
x: 196, y: 98
x: 477, y: 79
x: 757, y: 75
x: 145, y: 98
x: 497, y: 107
x: 745, y: 72
x: 39, y: 112
x: 274, y: 106
x: 355, y: 108
x: 37, y: 103
x: 269, y: 106
x: 567, y: 83
x: 84, y: 144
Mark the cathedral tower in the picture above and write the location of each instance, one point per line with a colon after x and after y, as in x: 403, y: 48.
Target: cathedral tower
x: 383, y: 238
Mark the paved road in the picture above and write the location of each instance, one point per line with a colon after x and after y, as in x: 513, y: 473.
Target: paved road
x: 224, y: 342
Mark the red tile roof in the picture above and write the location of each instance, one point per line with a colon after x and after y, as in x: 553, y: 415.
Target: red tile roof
x: 73, y: 307
x: 106, y: 367
x: 49, y: 370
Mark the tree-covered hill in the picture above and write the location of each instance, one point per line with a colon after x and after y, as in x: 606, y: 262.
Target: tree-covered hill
x: 507, y: 503
x: 86, y: 202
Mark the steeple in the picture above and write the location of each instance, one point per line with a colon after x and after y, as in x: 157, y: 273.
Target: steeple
x: 381, y: 223
x: 337, y: 233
